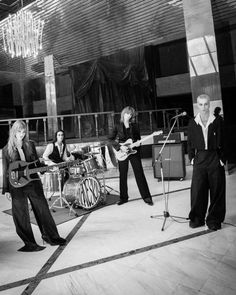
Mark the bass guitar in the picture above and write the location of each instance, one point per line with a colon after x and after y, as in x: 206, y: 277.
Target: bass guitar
x: 121, y: 156
x: 20, y: 172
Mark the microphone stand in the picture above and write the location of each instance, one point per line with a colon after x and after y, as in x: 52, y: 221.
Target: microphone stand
x: 166, y: 213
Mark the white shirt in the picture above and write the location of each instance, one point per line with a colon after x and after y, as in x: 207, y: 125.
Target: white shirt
x: 49, y: 150
x: 204, y: 128
x: 21, y: 153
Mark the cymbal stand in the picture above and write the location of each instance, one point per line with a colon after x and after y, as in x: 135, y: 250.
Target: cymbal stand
x: 106, y: 188
x: 166, y: 213
x: 61, y: 199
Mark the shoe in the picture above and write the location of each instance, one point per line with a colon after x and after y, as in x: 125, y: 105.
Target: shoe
x: 150, y: 203
x: 193, y: 224
x: 121, y: 202
x: 59, y: 241
x: 214, y: 226
x: 31, y: 248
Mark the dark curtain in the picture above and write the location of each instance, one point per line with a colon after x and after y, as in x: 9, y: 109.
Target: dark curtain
x: 111, y: 83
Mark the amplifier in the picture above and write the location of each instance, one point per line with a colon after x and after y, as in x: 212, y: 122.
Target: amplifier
x: 173, y: 161
x: 173, y: 138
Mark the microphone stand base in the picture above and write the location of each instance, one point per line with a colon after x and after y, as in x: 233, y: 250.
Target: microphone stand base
x: 166, y: 215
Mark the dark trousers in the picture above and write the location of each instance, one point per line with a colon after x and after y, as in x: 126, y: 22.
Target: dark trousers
x: 208, y: 176
x: 136, y: 163
x: 20, y: 211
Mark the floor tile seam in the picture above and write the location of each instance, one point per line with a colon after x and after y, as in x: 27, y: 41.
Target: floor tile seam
x: 85, y: 265
x: 125, y: 254
x: 41, y: 274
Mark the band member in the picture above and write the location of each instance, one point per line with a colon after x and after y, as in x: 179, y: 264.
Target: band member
x: 19, y: 148
x: 128, y: 128
x: 57, y: 152
x: 206, y: 154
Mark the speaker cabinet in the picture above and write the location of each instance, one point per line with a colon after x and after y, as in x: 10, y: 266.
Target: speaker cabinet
x: 173, y: 161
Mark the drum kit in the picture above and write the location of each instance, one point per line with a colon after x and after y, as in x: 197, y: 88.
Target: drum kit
x: 82, y: 189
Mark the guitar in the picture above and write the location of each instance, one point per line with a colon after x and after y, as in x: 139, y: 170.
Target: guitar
x: 121, y: 156
x: 20, y: 171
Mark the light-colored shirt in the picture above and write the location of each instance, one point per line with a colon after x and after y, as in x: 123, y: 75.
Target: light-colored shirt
x: 21, y: 153
x: 204, y: 128
x: 49, y: 150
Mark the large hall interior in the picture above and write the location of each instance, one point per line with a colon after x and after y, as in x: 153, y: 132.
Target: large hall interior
x: 73, y: 67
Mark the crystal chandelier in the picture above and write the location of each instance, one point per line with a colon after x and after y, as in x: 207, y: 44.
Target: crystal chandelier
x: 22, y: 34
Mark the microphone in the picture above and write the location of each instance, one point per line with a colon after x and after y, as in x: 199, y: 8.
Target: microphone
x: 179, y: 115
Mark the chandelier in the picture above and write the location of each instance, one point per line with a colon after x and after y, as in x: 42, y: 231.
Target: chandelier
x: 22, y: 34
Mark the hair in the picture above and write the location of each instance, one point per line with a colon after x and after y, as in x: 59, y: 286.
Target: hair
x: 128, y: 110
x: 206, y: 96
x: 217, y: 111
x: 17, y: 126
x: 55, y: 136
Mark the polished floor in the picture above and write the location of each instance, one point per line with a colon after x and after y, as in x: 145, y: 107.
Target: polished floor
x: 122, y: 249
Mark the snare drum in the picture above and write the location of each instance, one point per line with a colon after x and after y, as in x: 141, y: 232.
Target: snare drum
x: 91, y: 165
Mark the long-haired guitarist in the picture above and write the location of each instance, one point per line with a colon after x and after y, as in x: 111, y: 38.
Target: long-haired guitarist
x: 20, y: 148
x: 123, y: 136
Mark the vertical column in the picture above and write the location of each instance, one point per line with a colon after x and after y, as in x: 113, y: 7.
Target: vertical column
x: 202, y: 52
x: 51, y: 101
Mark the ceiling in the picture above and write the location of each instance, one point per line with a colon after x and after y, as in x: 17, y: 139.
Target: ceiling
x: 11, y: 6
x: 77, y: 31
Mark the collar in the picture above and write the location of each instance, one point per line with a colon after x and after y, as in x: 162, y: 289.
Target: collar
x: 56, y: 144
x: 210, y: 119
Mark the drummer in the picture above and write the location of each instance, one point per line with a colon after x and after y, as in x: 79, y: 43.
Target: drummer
x: 57, y: 151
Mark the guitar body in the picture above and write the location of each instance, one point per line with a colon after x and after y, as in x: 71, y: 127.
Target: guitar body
x: 19, y: 173
x: 121, y: 156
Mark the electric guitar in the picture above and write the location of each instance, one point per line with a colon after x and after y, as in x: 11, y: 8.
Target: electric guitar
x: 121, y: 156
x: 20, y: 172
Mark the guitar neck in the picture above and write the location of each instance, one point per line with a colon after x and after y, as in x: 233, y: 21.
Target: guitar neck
x: 48, y: 168
x: 141, y: 140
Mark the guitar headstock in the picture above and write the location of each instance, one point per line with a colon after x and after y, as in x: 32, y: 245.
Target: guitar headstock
x: 156, y: 133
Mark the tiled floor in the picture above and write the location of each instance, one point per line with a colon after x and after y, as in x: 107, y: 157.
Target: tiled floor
x: 122, y: 250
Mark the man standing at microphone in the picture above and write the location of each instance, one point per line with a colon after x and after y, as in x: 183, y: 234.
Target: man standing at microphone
x: 206, y: 154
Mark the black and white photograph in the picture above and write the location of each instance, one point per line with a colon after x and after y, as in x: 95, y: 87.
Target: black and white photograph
x: 117, y: 147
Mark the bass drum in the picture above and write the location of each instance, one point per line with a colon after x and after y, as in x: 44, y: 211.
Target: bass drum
x: 71, y: 189
x: 83, y: 192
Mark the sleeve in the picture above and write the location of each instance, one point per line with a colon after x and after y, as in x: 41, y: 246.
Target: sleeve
x: 136, y: 129
x: 5, y: 166
x: 34, y: 152
x: 48, y: 152
x: 190, y: 147
x: 222, y: 141
x: 113, y: 138
x: 35, y: 155
x: 67, y: 155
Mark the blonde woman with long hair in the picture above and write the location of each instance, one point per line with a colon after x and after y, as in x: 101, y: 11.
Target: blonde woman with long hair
x: 20, y: 148
x: 129, y: 129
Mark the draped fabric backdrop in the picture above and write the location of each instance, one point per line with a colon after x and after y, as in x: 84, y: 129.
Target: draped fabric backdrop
x: 112, y: 82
